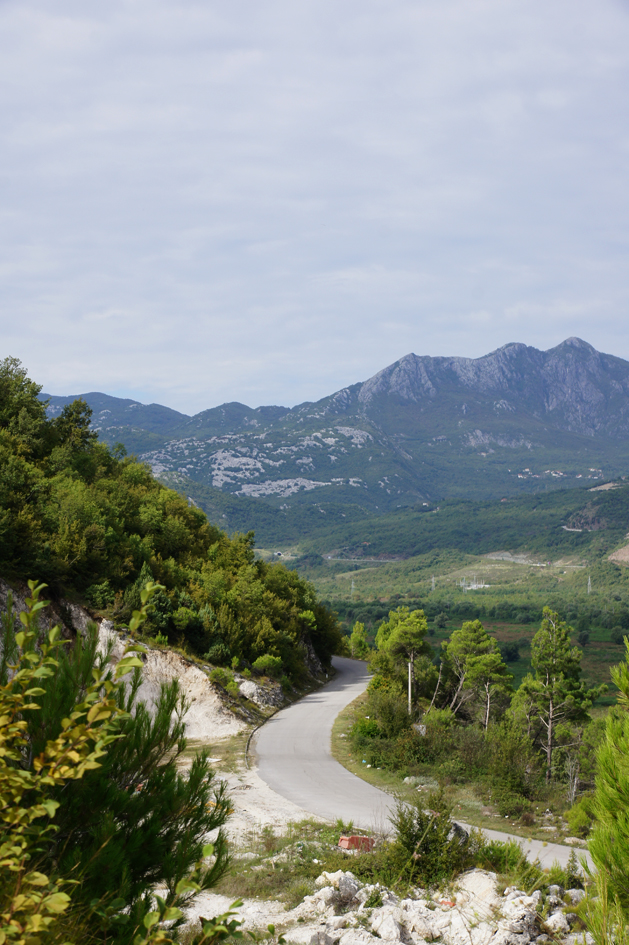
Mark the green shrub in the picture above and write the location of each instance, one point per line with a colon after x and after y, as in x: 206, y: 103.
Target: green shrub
x: 221, y: 677
x: 617, y: 636
x: 285, y: 683
x: 100, y: 595
x: 365, y: 728
x: 268, y: 665
x: 508, y: 801
x: 580, y: 817
x: 219, y: 655
x: 232, y: 688
x: 428, y: 846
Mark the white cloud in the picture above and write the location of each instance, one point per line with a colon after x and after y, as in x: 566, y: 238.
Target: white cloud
x: 267, y: 202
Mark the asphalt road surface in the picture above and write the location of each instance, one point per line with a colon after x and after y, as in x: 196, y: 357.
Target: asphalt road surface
x: 293, y: 755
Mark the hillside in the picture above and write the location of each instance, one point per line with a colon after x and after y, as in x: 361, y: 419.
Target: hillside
x: 96, y: 527
x: 424, y: 429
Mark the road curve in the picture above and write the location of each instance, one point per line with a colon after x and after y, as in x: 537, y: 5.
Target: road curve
x: 292, y: 751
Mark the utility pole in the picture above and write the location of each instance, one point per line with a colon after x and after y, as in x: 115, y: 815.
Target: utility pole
x: 589, y: 585
x: 433, y: 582
x: 409, y: 687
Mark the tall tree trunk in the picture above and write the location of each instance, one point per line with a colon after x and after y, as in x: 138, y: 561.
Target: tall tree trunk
x: 549, y: 742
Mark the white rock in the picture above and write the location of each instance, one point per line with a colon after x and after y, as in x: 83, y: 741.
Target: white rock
x: 357, y: 937
x: 476, y: 892
x: 348, y: 886
x: 308, y: 935
x: 386, y: 923
x: 576, y: 895
x: 505, y: 937
x: 330, y: 879
x: 557, y: 922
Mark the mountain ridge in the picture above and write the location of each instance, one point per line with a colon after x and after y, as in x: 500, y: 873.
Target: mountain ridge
x: 422, y: 429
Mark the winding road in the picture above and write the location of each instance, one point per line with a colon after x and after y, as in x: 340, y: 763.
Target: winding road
x: 293, y: 756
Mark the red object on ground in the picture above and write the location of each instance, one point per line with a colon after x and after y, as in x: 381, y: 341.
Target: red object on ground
x: 357, y: 843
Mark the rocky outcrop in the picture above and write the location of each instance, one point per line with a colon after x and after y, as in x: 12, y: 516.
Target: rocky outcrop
x: 344, y: 911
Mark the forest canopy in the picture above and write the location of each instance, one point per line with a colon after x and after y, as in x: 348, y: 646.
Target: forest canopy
x: 95, y: 525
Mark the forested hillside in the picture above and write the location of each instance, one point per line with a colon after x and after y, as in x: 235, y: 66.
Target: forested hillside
x: 95, y: 525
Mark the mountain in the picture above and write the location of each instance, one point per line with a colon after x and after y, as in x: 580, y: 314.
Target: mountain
x: 421, y: 430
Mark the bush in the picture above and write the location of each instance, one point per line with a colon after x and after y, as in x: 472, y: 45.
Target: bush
x: 268, y: 665
x: 617, y: 636
x: 219, y: 655
x: 232, y: 688
x: 508, y: 802
x: 580, y: 817
x: 220, y: 677
x: 510, y: 651
x: 429, y: 847
x: 365, y: 728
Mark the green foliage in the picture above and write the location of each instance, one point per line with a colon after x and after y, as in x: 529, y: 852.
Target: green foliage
x: 31, y: 901
x: 358, y: 645
x: 221, y: 677
x: 609, y: 842
x: 617, y: 636
x: 268, y: 665
x: 580, y: 817
x: 96, y: 525
x: 430, y: 848
x: 479, y: 677
x: 126, y: 820
x: 555, y: 694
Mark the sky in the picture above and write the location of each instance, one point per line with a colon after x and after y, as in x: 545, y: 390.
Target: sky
x: 265, y: 202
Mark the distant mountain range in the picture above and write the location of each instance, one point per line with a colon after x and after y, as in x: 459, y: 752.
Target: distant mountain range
x: 422, y: 430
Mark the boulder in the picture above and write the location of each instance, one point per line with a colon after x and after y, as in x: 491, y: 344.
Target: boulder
x: 557, y: 922
x: 357, y: 937
x: 386, y: 923
x: 308, y: 935
x: 575, y: 895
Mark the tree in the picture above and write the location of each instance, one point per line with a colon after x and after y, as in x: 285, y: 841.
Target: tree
x: 608, y: 913
x: 136, y: 821
x: 476, y: 668
x: 405, y: 642
x: 31, y: 901
x: 358, y: 645
x: 555, y: 695
x: 488, y: 678
x: 609, y: 844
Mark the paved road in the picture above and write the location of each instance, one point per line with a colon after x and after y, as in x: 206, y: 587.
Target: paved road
x: 292, y: 751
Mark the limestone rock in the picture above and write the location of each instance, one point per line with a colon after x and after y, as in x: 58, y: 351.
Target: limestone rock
x: 557, y: 922
x: 575, y: 895
x: 386, y: 923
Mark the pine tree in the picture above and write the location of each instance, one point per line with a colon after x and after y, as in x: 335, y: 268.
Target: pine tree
x: 475, y: 667
x: 555, y: 694
x: 137, y: 821
x: 358, y: 645
x: 609, y: 843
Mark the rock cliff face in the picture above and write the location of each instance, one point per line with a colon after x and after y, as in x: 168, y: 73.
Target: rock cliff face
x: 575, y: 386
x: 421, y: 429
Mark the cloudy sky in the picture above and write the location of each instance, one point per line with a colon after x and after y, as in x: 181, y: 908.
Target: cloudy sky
x: 267, y: 201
